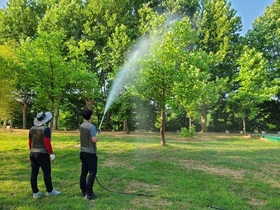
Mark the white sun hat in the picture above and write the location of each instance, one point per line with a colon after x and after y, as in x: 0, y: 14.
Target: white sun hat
x: 42, y: 118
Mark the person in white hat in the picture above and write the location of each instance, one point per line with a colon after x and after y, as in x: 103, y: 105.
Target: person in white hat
x: 41, y: 153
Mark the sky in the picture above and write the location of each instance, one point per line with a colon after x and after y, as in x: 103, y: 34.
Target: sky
x: 248, y: 10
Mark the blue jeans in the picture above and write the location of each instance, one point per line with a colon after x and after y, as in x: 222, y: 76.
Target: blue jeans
x: 40, y: 160
x: 88, y: 172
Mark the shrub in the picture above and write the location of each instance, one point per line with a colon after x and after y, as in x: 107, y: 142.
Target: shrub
x: 188, y: 132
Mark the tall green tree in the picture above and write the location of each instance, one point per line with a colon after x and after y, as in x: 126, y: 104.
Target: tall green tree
x: 69, y: 17
x: 160, y: 66
x: 24, y: 82
x: 218, y: 28
x: 7, y: 83
x: 113, y: 57
x: 253, y: 87
x: 18, y: 22
x: 113, y: 25
x: 7, y: 103
x: 51, y: 72
x: 265, y: 38
x: 192, y: 85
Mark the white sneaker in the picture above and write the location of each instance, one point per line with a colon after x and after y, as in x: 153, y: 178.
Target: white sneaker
x: 53, y: 192
x: 37, y: 195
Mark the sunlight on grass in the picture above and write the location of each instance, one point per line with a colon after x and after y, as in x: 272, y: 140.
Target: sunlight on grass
x: 210, y: 170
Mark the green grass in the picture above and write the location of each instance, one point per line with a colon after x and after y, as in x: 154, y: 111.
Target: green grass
x: 210, y: 171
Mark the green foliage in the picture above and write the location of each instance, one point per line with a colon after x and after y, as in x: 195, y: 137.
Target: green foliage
x: 169, y: 46
x: 20, y: 19
x: 192, y: 87
x: 187, y: 132
x: 7, y: 104
x: 251, y: 80
x: 159, y: 67
x: 57, y: 51
x: 66, y: 16
x: 265, y: 38
x: 218, y: 28
x: 8, y: 62
x: 179, y: 7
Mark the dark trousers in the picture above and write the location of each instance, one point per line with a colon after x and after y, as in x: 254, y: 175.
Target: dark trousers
x: 88, y: 172
x: 40, y: 160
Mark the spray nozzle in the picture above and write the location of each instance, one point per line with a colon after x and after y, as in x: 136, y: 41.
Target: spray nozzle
x: 98, y: 131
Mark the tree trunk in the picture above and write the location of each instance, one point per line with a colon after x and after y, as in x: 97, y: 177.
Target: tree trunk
x: 125, y: 126
x: 89, y: 104
x: 244, y: 125
x: 204, y: 118
x: 11, y: 124
x: 108, y: 116
x: 190, y: 122
x: 24, y: 115
x: 4, y: 126
x: 162, y: 127
x: 55, y: 119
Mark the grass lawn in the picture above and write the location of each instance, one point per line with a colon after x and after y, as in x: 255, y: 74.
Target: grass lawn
x: 210, y: 171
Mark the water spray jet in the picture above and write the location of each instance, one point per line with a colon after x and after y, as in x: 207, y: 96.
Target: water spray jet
x: 129, y: 69
x: 127, y: 72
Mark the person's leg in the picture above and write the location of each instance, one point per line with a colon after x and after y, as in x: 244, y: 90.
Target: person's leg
x: 34, y: 173
x: 44, y: 161
x: 92, y: 164
x: 84, y: 172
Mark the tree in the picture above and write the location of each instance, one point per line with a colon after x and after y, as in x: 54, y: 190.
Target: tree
x: 159, y: 68
x: 218, y: 29
x: 69, y: 18
x: 265, y: 38
x: 112, y: 57
x: 7, y: 83
x: 253, y: 87
x: 50, y: 71
x: 19, y: 22
x: 84, y: 82
x: 7, y: 102
x: 113, y: 26
x: 192, y: 85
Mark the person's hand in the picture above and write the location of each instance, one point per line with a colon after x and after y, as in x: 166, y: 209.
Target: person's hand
x: 52, y: 157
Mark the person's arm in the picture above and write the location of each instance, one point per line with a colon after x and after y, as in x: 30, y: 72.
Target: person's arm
x: 29, y: 141
x: 94, y: 138
x: 47, y: 142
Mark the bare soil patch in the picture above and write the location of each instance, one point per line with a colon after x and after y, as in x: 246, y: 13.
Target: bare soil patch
x: 215, y: 170
x: 113, y: 163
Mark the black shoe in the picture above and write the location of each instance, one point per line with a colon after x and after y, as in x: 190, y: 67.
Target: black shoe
x: 83, y: 194
x: 91, y: 196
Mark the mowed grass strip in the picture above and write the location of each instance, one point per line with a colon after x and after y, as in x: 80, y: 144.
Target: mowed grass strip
x: 210, y: 171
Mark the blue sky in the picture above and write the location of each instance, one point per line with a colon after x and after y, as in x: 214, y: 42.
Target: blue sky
x: 248, y: 10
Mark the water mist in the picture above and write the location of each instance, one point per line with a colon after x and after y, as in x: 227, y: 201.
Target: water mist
x: 128, y: 71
